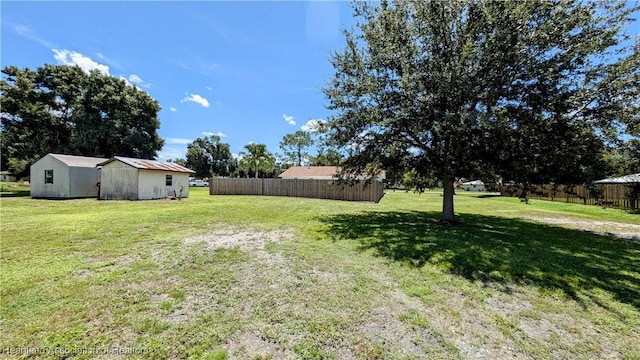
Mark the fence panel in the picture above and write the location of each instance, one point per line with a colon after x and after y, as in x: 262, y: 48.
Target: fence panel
x: 308, y: 188
x: 619, y: 196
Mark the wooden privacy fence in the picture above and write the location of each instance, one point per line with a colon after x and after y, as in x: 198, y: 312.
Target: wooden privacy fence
x: 621, y: 196
x: 308, y: 188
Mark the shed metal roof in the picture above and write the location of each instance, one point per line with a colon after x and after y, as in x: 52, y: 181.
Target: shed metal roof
x: 148, y: 164
x: 633, y: 178
x: 78, y: 161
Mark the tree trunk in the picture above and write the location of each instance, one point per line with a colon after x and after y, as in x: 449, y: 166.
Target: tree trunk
x: 447, y: 202
x: 256, y: 173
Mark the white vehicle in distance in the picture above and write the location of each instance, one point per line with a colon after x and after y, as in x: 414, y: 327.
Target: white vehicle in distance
x: 198, y: 183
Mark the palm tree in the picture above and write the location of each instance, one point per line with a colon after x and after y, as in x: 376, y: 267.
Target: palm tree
x: 256, y: 158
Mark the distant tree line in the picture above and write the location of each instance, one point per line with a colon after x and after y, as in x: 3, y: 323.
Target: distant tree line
x: 210, y: 157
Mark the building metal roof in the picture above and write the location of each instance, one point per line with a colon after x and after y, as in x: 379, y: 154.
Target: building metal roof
x: 316, y: 172
x: 148, y: 164
x: 627, y: 179
x: 78, y: 161
x: 310, y: 172
x: 474, y: 182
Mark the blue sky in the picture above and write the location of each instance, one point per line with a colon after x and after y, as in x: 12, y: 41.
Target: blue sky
x: 248, y: 71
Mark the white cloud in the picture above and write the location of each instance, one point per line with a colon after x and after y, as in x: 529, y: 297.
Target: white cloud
x: 109, y: 61
x: 313, y: 125
x: 172, y: 109
x: 125, y: 80
x: 178, y: 141
x: 172, y: 152
x: 289, y: 119
x: 208, y: 88
x: 195, y: 98
x: 137, y: 80
x: 30, y: 34
x: 67, y: 57
x: 361, y: 140
x: 209, y: 133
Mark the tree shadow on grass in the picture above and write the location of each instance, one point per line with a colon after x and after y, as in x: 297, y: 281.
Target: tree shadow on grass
x: 15, y: 193
x: 485, y: 196
x: 493, y: 249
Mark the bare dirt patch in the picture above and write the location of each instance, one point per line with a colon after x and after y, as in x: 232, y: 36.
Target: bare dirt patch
x: 400, y: 323
x: 252, y: 274
x: 271, y: 287
x: 470, y: 324
x: 601, y: 227
x: 244, y: 240
x: 384, y: 325
x: 251, y: 346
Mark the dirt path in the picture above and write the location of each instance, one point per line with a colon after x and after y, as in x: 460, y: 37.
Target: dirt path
x: 601, y: 227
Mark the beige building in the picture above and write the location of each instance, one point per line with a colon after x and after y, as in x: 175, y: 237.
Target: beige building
x: 65, y: 177
x: 125, y: 178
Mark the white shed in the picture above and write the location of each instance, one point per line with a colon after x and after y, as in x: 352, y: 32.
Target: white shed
x: 65, y: 177
x: 138, y: 179
x: 476, y: 185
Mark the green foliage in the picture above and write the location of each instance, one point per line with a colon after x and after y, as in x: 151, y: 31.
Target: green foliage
x: 528, y: 91
x: 209, y: 156
x: 417, y: 182
x: 326, y: 157
x: 623, y: 159
x: 257, y: 158
x: 294, y: 146
x: 61, y: 109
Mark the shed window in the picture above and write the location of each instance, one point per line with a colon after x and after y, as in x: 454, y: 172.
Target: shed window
x: 168, y: 180
x: 48, y: 176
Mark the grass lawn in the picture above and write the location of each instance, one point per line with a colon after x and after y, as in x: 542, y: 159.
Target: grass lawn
x: 244, y: 277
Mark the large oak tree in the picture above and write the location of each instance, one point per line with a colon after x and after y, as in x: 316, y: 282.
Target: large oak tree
x: 209, y: 156
x: 524, y: 90
x: 61, y: 109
